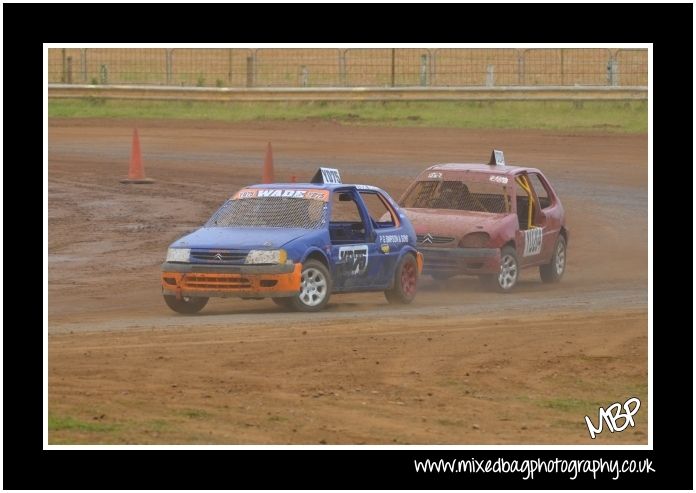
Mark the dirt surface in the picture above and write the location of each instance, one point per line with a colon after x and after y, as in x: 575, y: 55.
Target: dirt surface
x: 459, y: 366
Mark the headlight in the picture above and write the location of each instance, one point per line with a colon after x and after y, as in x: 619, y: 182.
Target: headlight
x: 266, y: 257
x: 178, y: 254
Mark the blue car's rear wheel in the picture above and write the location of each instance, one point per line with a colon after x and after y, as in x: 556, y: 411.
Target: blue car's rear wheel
x: 405, y: 281
x: 185, y: 305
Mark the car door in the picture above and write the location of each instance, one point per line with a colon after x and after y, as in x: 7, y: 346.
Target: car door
x: 532, y: 226
x: 550, y: 214
x: 355, y: 258
x: 390, y: 237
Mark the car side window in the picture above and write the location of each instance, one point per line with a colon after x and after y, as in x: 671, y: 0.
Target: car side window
x: 344, y: 208
x: 346, y: 225
x: 540, y: 189
x: 526, y: 207
x: 381, y: 215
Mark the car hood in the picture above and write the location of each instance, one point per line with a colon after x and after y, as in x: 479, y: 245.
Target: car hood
x: 446, y: 222
x: 240, y: 238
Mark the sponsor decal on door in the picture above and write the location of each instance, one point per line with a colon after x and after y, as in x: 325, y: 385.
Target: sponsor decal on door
x: 532, y: 241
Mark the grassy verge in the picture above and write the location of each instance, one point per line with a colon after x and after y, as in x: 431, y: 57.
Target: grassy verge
x: 63, y: 423
x: 613, y: 116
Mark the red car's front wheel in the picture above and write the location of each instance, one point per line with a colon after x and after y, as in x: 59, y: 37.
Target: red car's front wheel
x: 506, y: 278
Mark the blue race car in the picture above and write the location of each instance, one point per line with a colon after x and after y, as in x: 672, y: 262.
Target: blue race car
x: 296, y: 243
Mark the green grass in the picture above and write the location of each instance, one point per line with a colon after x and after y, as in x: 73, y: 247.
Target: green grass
x: 570, y: 404
x: 56, y: 423
x: 68, y: 430
x: 564, y: 404
x: 449, y: 422
x: 157, y: 425
x: 612, y: 116
x: 194, y: 413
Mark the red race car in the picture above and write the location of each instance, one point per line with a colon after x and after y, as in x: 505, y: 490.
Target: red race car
x: 489, y: 220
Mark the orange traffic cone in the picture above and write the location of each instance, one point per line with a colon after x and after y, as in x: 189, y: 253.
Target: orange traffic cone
x: 292, y: 179
x: 136, y: 174
x: 268, y: 166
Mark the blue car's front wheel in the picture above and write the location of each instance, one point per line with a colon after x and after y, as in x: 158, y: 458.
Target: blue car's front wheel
x: 185, y: 305
x: 315, y: 288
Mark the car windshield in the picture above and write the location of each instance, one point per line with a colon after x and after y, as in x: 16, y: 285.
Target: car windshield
x: 479, y: 195
x: 270, y: 212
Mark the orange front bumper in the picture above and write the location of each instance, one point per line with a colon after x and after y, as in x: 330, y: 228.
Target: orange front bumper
x: 245, y: 283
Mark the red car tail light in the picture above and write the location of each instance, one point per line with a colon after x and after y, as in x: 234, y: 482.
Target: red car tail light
x: 475, y: 240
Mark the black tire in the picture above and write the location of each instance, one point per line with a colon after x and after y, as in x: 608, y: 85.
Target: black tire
x: 405, y: 281
x: 507, y: 278
x: 554, y: 270
x: 283, y: 302
x: 315, y: 289
x: 186, y: 305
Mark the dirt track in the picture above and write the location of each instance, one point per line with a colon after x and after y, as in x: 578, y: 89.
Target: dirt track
x: 460, y: 365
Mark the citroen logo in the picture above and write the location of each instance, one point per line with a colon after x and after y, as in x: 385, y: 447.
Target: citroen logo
x: 428, y: 239
x: 218, y: 257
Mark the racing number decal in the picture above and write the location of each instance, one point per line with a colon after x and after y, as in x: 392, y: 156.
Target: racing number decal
x: 353, y: 260
x: 532, y: 241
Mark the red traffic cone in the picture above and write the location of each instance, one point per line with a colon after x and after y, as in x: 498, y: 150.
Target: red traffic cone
x: 268, y: 166
x: 136, y: 173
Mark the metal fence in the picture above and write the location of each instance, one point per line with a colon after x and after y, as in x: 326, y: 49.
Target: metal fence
x: 352, y: 67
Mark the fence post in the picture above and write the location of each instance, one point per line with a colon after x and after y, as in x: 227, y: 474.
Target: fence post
x: 229, y: 67
x: 520, y: 67
x: 613, y: 70
x: 83, y: 63
x: 424, y: 70
x: 304, y: 76
x: 490, y: 75
x: 69, y: 70
x: 64, y: 77
x: 433, y: 67
x: 393, y: 56
x: 342, y: 67
x: 168, y: 64
x: 255, y: 68
x: 103, y: 74
x: 562, y: 66
x: 250, y: 71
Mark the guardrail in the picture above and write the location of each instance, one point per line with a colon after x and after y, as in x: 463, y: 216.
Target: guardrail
x: 510, y: 93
